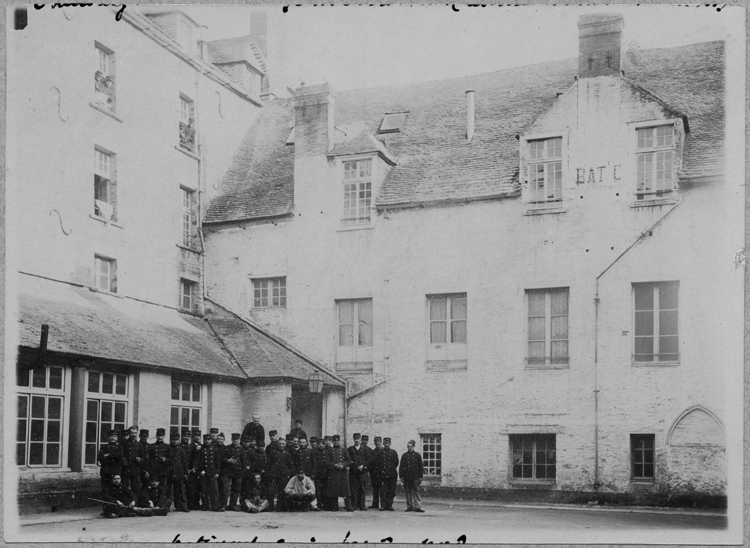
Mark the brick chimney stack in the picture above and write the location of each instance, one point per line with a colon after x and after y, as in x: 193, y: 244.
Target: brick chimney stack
x: 259, y: 34
x: 600, y: 45
x: 313, y: 120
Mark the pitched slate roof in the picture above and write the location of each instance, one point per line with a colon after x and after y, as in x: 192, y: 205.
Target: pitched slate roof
x: 231, y: 50
x: 434, y: 160
x: 100, y: 325
x: 259, y: 355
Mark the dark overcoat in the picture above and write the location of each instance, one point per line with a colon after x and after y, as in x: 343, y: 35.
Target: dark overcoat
x: 110, y: 457
x: 319, y: 464
x: 178, y: 462
x: 136, y: 457
x: 229, y: 469
x: 158, y: 459
x: 387, y: 463
x: 338, y: 479
x: 207, y: 460
x: 411, y: 467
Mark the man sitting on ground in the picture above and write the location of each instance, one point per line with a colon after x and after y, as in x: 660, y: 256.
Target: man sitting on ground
x: 300, y: 492
x: 256, y: 499
x: 153, y: 496
x: 120, y: 501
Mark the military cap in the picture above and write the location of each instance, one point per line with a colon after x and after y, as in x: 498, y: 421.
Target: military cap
x: 327, y: 438
x: 175, y: 435
x: 235, y: 436
x: 365, y: 437
x: 357, y: 436
x: 143, y: 432
x: 221, y: 435
x: 378, y: 438
x: 303, y: 436
x: 313, y: 439
x: 298, y: 421
x: 261, y: 443
x: 160, y: 431
x: 113, y: 432
x: 186, y: 431
x: 411, y: 442
x: 214, y: 430
x: 272, y: 433
x: 289, y: 437
x: 245, y: 439
x: 206, y: 437
x: 196, y: 432
x: 134, y: 427
x: 387, y: 440
x: 336, y: 437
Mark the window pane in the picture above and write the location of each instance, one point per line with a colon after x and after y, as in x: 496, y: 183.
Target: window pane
x: 39, y: 377
x: 23, y: 407
x: 668, y: 323
x: 437, y: 332
x: 54, y: 408
x: 559, y: 327
x: 106, y: 412
x: 175, y: 390
x: 92, y: 411
x: 644, y: 323
x: 559, y: 300
x: 668, y: 296
x: 536, y: 350
x: 185, y: 391
x: 120, y: 412
x: 22, y: 378
x: 438, y: 308
x: 644, y: 297
x: 37, y: 407
x: 55, y: 377
x: 107, y: 383
x: 458, y: 331
x: 53, y: 431
x: 121, y: 385
x: 93, y: 381
x: 21, y: 430
x: 536, y: 303
x: 90, y: 454
x: 174, y: 417
x: 196, y: 392
x: 36, y: 453
x: 644, y: 346
x: 537, y: 329
x: 37, y: 430
x: 364, y: 312
x: 559, y: 349
x: 668, y: 345
x: 458, y: 308
x: 196, y: 416
x: 21, y: 454
x: 346, y: 336
x: 346, y: 312
x: 185, y: 412
x: 53, y: 453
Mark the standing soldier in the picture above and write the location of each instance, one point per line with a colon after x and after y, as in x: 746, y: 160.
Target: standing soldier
x: 368, y: 462
x: 175, y: 488
x: 386, y: 462
x: 231, y: 470
x: 194, y: 480
x: 320, y: 472
x: 410, y: 471
x: 283, y: 466
x: 110, y: 459
x: 207, y: 465
x: 306, y: 458
x: 297, y: 431
x: 249, y: 464
x: 292, y: 446
x: 273, y: 445
x: 136, y: 456
x: 145, y: 465
x: 375, y: 473
x: 337, y: 462
x: 357, y: 470
x: 158, y: 457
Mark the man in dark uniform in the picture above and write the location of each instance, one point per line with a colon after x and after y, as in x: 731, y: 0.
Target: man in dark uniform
x: 375, y: 480
x: 297, y: 431
x: 255, y: 430
x: 306, y: 458
x: 214, y: 435
x: 366, y: 482
x: 185, y: 442
x: 320, y: 472
x: 262, y: 464
x: 231, y: 470
x: 154, y: 496
x: 120, y: 501
x: 283, y: 466
x: 273, y: 445
x: 386, y: 462
x: 410, y: 471
x: 337, y: 462
x: 175, y: 488
x: 193, y: 479
x: 110, y: 459
x: 249, y: 464
x: 256, y: 499
x: 357, y: 470
x: 158, y: 458
x: 135, y: 455
x: 207, y: 465
x: 292, y: 446
x: 145, y: 464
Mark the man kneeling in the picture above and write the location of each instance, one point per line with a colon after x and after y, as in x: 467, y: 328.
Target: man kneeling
x: 300, y: 492
x: 256, y: 499
x: 120, y: 501
x: 153, y: 497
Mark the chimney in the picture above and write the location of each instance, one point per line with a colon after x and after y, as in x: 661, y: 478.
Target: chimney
x: 313, y: 119
x: 600, y: 45
x: 259, y: 34
x: 469, y: 114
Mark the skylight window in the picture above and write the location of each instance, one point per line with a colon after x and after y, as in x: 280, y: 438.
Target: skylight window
x: 393, y: 123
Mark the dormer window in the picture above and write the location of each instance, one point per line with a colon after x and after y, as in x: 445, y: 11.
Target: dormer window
x: 357, y: 192
x: 655, y: 156
x: 545, y: 170
x: 187, y: 123
x: 185, y: 36
x: 392, y: 123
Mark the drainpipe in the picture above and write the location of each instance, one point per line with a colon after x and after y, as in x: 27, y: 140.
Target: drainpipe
x: 199, y: 77
x: 643, y: 234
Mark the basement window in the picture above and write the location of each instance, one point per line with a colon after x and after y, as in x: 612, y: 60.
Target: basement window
x: 392, y: 123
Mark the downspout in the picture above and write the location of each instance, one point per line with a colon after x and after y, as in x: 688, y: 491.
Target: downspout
x: 643, y: 234
x: 199, y: 77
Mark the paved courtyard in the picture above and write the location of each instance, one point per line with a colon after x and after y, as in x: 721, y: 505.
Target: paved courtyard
x: 444, y: 521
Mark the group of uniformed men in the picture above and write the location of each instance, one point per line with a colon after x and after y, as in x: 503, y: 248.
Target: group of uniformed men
x: 202, y: 473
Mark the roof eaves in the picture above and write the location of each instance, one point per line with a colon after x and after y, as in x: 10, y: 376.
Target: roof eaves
x: 442, y: 202
x: 677, y: 113
x: 254, y: 219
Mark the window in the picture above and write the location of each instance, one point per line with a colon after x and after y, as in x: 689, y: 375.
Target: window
x: 104, y: 78
x: 40, y: 411
x: 432, y: 454
x: 187, y: 406
x: 188, y: 217
x: 642, y: 456
x: 252, y: 82
x: 533, y: 456
x: 545, y: 170
x: 354, y: 351
x: 105, y: 274
x: 393, y: 123
x: 188, y: 295
x: 447, y: 327
x: 187, y: 123
x: 269, y: 292
x: 105, y: 189
x: 357, y: 192
x: 547, y: 327
x: 185, y: 36
x: 656, y: 339
x: 654, y: 153
x: 107, y: 405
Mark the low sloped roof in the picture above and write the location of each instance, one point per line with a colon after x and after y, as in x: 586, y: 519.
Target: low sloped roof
x: 434, y: 160
x: 259, y: 355
x: 101, y: 325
